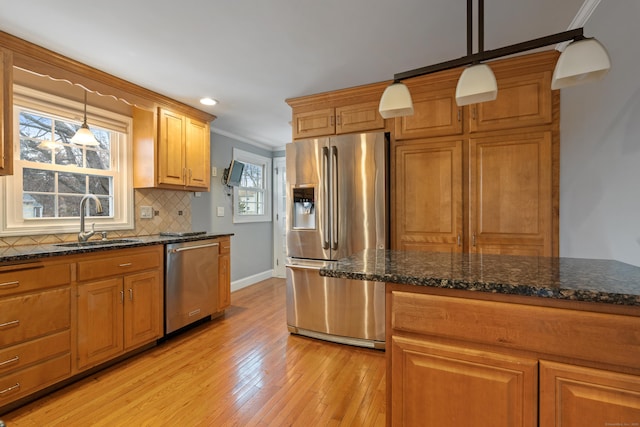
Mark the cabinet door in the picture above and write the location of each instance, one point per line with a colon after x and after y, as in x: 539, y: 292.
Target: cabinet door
x: 171, y: 148
x: 6, y: 112
x: 197, y: 154
x: 428, y: 197
x: 359, y: 118
x: 522, y: 101
x: 100, y: 319
x: 573, y: 396
x: 439, y: 385
x: 224, y: 281
x: 314, y: 123
x: 510, y: 194
x: 435, y: 114
x: 142, y: 308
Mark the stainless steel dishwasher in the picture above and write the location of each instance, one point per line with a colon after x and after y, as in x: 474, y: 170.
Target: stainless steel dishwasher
x: 191, y: 282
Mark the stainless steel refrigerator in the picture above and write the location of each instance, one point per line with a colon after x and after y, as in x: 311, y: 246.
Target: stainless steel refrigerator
x: 337, y: 205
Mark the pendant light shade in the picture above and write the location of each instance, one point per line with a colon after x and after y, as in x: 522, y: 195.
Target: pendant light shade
x: 476, y: 84
x: 84, y: 136
x: 582, y: 61
x: 396, y: 101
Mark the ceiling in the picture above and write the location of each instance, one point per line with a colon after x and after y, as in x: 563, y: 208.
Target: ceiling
x: 253, y: 54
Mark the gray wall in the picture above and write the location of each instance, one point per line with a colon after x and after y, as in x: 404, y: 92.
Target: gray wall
x: 252, y: 244
x: 600, y: 146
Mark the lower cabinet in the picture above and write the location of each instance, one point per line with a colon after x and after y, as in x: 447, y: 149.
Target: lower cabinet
x: 578, y: 396
x: 440, y: 385
x: 116, y: 314
x: 224, y: 274
x: 457, y: 360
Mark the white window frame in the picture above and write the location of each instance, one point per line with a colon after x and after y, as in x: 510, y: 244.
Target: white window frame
x: 256, y: 159
x: 12, y: 222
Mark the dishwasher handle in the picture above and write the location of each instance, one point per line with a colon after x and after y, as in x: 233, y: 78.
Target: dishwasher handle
x: 189, y: 248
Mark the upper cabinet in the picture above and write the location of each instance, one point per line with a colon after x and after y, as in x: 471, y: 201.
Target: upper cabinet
x: 346, y: 111
x: 171, y: 150
x: 6, y: 116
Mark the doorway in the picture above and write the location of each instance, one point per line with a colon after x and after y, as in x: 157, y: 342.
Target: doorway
x: 280, y: 216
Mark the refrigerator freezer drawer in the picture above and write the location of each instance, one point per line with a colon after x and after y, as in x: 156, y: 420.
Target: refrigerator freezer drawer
x: 341, y: 310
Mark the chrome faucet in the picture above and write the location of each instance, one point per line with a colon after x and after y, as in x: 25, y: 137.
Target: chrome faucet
x: 83, y: 236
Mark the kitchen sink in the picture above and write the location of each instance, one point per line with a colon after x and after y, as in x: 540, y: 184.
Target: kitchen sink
x: 96, y: 243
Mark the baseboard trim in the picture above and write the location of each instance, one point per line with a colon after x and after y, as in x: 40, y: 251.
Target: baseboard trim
x: 250, y: 280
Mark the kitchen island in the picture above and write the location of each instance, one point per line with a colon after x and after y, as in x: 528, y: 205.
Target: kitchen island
x: 495, y: 340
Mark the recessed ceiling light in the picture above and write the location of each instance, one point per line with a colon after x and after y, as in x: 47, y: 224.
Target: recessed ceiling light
x: 208, y: 101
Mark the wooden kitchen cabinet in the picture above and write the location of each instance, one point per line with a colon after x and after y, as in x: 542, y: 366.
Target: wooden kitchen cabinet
x: 578, y: 396
x: 171, y: 150
x: 6, y: 112
x: 499, y: 191
x: 343, y: 111
x: 119, y: 304
x: 508, y: 360
x: 224, y: 274
x: 510, y: 194
x: 428, y: 198
x: 437, y: 384
x: 35, y: 327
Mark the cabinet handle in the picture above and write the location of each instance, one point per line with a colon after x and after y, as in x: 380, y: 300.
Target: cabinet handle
x: 126, y: 264
x: 473, y: 239
x: 12, y: 360
x: 339, y: 120
x: 459, y: 240
x: 333, y: 120
x: 11, y: 323
x: 13, y: 284
x: 12, y: 388
x: 459, y: 114
x: 130, y: 294
x: 473, y: 112
x: 122, y: 297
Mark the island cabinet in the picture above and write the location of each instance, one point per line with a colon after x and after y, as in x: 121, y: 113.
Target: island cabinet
x: 460, y: 359
x: 6, y: 112
x: 119, y: 303
x: 339, y: 112
x: 35, y: 327
x: 224, y: 274
x: 480, y: 178
x: 171, y: 150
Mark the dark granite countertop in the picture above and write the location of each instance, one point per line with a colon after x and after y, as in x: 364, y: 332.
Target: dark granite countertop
x: 11, y: 254
x: 590, y: 280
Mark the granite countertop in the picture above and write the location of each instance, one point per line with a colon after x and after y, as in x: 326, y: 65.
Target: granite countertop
x: 600, y: 281
x: 23, y: 253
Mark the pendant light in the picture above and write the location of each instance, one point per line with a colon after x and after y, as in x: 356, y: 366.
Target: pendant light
x: 84, y: 136
x: 584, y: 60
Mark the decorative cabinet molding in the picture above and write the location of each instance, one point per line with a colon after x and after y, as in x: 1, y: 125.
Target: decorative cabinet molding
x: 6, y: 112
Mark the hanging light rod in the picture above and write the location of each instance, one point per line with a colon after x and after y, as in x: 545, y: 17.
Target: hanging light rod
x: 576, y: 34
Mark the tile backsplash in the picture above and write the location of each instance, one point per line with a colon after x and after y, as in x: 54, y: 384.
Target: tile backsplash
x: 173, y: 214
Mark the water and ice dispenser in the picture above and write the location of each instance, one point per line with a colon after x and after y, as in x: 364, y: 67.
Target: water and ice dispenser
x: 304, y: 212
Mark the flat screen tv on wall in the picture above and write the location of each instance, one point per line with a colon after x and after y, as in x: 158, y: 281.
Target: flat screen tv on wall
x: 233, y: 174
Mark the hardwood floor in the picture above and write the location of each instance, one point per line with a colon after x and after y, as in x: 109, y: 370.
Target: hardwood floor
x: 244, y: 369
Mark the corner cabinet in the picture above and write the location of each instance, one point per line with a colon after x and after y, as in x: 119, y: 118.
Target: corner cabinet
x: 171, y: 150
x: 6, y: 112
x: 119, y: 303
x: 500, y: 360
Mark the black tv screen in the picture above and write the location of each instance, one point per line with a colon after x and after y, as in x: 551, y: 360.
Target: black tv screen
x: 234, y: 175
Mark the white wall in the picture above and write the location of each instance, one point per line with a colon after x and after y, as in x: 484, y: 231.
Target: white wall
x: 600, y: 146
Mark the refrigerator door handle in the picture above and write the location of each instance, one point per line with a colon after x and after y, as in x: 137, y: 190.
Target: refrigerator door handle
x: 325, y: 184
x: 334, y: 194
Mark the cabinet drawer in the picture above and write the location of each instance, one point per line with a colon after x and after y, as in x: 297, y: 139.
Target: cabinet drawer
x: 123, y: 263
x: 26, y: 381
x: 21, y: 355
x: 225, y: 245
x: 548, y: 330
x: 29, y: 316
x: 20, y: 278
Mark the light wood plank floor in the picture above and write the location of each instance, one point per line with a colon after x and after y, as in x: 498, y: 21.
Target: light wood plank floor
x: 241, y: 370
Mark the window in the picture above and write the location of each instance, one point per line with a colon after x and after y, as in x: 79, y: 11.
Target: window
x: 252, y: 198
x: 51, y: 174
